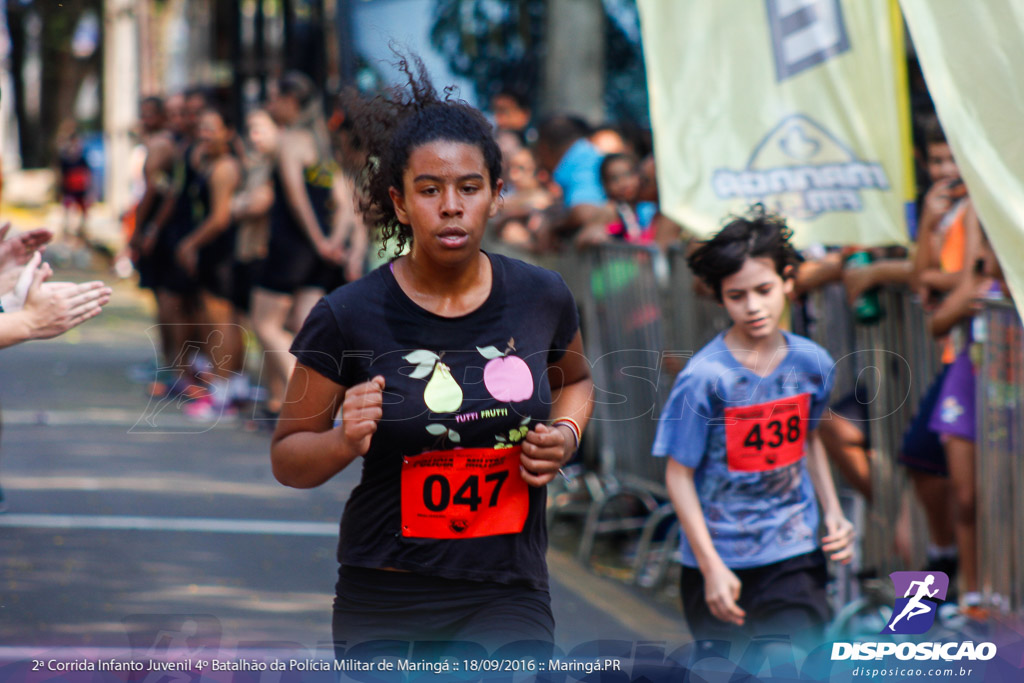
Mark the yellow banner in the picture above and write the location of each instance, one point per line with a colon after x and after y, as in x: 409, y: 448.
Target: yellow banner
x: 800, y: 104
x: 971, y: 54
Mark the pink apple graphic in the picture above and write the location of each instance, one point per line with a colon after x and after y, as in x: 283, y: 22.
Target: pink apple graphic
x: 507, y: 378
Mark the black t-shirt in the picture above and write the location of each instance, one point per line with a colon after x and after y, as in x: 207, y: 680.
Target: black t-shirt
x: 371, y: 327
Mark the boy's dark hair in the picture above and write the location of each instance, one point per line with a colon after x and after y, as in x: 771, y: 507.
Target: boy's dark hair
x: 197, y: 91
x: 154, y: 101
x: 759, y: 233
x: 560, y: 131
x: 610, y: 159
x: 931, y: 132
x: 298, y: 85
x: 519, y: 95
x: 393, y: 124
x: 223, y: 112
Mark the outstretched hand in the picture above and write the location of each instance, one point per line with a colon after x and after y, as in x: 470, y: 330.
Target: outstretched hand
x: 18, y: 249
x: 53, y: 308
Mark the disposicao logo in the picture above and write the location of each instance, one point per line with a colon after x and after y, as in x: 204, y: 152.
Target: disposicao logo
x: 918, y: 595
x: 802, y: 170
x: 922, y: 592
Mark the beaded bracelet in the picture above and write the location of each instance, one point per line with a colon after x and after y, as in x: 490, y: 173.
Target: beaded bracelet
x: 573, y: 426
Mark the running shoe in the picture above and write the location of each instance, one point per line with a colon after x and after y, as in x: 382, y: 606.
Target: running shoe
x: 971, y: 606
x: 204, y: 409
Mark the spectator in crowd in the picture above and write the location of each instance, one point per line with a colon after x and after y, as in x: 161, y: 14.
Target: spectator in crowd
x: 608, y: 139
x: 30, y: 306
x: 525, y: 200
x: 160, y: 145
x: 620, y: 178
x: 564, y: 151
x: 206, y: 254
x: 511, y: 110
x: 953, y: 417
x: 75, y: 180
x: 944, y: 246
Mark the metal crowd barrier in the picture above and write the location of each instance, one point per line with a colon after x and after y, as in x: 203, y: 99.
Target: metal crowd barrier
x: 623, y: 329
x: 1000, y: 467
x: 904, y: 360
x: 642, y: 321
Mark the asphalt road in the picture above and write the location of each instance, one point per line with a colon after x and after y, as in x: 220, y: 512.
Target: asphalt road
x: 132, y: 530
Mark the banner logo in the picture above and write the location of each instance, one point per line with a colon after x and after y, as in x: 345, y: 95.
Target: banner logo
x: 805, y: 33
x: 914, y: 613
x: 802, y: 171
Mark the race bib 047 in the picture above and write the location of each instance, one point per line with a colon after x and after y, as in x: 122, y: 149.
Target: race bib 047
x: 464, y: 493
x: 766, y: 436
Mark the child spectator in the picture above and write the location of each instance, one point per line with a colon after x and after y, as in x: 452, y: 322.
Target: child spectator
x: 524, y: 201
x: 620, y: 178
x: 75, y: 179
x: 954, y: 416
x: 944, y: 245
x: 740, y: 427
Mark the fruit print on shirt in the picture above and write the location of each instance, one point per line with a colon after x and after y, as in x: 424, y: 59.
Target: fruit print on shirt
x: 443, y: 394
x: 507, y: 378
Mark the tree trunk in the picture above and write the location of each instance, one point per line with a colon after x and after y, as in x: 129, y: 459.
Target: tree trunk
x: 121, y: 98
x: 574, y: 61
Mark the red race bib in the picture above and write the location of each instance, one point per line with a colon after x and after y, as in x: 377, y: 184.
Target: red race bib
x: 465, y: 493
x: 766, y: 436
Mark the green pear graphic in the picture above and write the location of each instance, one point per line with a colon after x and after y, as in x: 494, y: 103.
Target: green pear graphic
x: 443, y: 394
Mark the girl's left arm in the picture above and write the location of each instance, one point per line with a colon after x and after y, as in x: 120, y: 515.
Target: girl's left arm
x: 839, y: 534
x: 546, y: 449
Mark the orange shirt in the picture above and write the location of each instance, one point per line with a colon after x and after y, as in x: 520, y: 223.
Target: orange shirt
x: 951, y: 260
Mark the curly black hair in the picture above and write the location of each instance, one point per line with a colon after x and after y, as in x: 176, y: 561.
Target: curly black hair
x: 758, y: 233
x: 401, y: 119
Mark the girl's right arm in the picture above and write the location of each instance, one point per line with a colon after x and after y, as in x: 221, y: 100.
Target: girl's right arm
x: 721, y: 586
x: 307, y: 449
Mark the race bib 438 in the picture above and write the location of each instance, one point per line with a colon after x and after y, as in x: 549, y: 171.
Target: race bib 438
x: 464, y: 493
x: 766, y: 436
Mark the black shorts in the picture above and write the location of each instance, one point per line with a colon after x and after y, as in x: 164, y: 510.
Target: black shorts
x: 377, y: 605
x: 292, y: 264
x: 786, y: 599
x: 922, y: 449
x: 215, y: 270
x: 146, y: 267
x: 244, y: 275
x: 168, y: 274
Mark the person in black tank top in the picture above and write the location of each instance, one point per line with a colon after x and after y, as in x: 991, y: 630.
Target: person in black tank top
x: 160, y: 154
x: 181, y: 210
x: 207, y: 255
x: 304, y: 250
x: 462, y: 389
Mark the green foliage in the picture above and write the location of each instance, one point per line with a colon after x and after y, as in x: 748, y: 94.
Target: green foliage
x: 494, y: 43
x: 500, y: 43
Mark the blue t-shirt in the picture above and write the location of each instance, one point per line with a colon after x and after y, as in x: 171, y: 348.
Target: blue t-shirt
x: 579, y: 175
x: 749, y: 466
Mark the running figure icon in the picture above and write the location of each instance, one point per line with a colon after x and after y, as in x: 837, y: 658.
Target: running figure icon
x: 915, y: 607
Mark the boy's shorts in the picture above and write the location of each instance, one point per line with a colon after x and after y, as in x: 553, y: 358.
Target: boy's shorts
x: 921, y: 449
x: 786, y: 598
x: 954, y: 413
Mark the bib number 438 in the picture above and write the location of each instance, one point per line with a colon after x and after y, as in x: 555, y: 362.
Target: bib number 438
x: 766, y: 436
